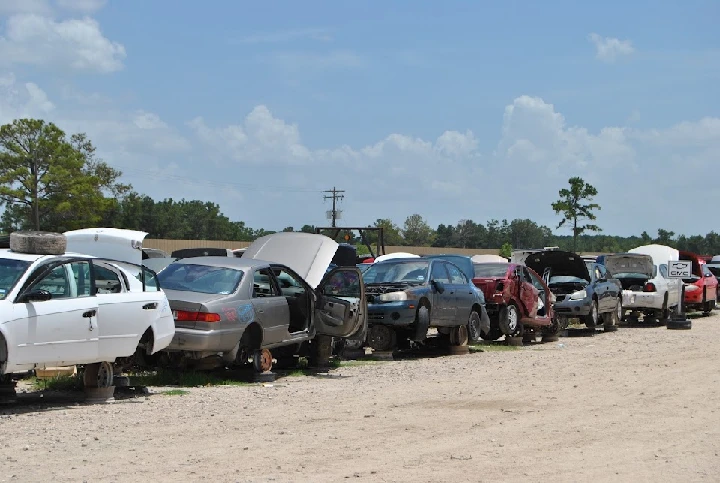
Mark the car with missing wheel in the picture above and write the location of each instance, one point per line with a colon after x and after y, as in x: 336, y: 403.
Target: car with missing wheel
x: 582, y: 288
x: 61, y: 307
x: 272, y: 303
x: 407, y: 296
x: 517, y: 299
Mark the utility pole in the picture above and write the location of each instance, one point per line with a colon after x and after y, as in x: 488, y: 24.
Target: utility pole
x: 335, y: 195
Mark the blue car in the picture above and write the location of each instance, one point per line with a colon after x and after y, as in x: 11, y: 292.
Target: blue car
x: 406, y: 296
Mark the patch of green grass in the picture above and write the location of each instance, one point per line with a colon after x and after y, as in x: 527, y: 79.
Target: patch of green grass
x: 488, y: 346
x: 175, y: 392
x: 58, y: 383
x: 164, y: 377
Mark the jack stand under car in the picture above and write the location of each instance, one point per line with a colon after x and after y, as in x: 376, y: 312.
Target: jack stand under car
x: 678, y: 320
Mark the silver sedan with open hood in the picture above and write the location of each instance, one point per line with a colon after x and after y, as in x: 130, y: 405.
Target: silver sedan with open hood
x: 277, y: 297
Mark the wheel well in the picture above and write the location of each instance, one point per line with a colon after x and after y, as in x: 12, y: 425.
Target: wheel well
x: 424, y: 303
x: 148, y: 337
x: 3, y: 351
x: 477, y: 308
x: 253, y: 336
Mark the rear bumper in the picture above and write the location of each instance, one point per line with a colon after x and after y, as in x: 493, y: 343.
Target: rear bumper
x: 642, y: 300
x: 194, y: 340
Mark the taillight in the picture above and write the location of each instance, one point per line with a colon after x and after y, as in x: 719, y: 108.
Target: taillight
x: 185, y: 316
x: 649, y: 287
x: 499, y: 287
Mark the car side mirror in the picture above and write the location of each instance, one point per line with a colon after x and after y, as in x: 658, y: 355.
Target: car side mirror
x: 35, y: 296
x: 439, y: 286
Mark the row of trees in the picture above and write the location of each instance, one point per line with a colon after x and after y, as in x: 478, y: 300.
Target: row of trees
x: 52, y: 182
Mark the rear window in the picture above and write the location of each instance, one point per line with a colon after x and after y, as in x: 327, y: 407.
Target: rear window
x: 10, y: 273
x: 200, y: 278
x: 490, y: 270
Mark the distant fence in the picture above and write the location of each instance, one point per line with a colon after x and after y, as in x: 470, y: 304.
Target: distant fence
x: 172, y: 245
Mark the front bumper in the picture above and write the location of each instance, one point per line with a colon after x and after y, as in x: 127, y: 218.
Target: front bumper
x: 642, y: 300
x: 573, y: 308
x: 392, y: 313
x: 221, y: 340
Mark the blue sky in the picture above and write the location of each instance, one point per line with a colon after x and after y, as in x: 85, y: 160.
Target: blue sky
x: 454, y: 110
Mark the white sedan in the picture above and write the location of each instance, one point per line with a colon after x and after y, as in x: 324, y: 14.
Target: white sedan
x: 68, y: 309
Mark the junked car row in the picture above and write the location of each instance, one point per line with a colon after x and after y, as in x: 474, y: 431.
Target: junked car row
x: 88, y: 297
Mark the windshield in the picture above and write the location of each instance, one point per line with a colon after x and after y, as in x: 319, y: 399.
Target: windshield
x: 10, y: 273
x: 200, y: 278
x: 491, y: 270
x: 566, y: 279
x: 397, y: 272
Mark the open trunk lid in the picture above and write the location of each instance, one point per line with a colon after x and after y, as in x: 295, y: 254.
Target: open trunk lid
x: 308, y: 254
x: 630, y: 263
x: 559, y: 263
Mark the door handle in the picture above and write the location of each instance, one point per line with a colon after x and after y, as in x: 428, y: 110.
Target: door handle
x: 89, y: 313
x: 150, y: 306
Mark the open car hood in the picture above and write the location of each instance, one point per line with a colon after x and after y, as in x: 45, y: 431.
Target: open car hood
x: 111, y: 243
x: 560, y: 263
x: 630, y: 263
x: 307, y: 254
x: 660, y: 254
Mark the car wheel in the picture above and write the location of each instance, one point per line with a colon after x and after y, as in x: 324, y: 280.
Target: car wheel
x: 612, y: 319
x: 591, y: 321
x: 98, y: 375
x: 262, y: 360
x: 510, y: 320
x: 459, y: 336
x: 382, y: 338
x: 473, y: 327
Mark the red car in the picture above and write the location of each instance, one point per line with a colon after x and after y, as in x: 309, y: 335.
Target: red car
x: 702, y: 288
x: 516, y: 299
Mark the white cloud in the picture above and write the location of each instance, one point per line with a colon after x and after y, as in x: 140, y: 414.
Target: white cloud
x: 75, y: 43
x: 10, y: 7
x: 609, y: 48
x: 19, y: 100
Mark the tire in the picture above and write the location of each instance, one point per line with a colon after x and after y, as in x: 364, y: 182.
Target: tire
x: 679, y: 324
x: 473, y: 328
x: 459, y: 336
x: 422, y: 323
x: 612, y: 319
x: 382, y: 338
x: 591, y: 321
x: 509, y: 322
x: 98, y: 375
x: 38, y: 242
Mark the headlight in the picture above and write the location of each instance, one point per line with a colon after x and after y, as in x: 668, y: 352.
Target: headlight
x: 691, y: 288
x: 579, y: 295
x: 393, y: 297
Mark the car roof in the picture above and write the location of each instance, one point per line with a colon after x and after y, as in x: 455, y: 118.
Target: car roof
x: 229, y: 262
x: 31, y: 257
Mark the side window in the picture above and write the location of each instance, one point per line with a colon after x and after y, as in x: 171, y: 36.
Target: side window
x: 439, y: 273
x: 535, y: 281
x: 81, y: 273
x: 526, y: 275
x: 264, y: 284
x: 56, y: 282
x: 663, y: 270
x: 456, y: 276
x: 290, y: 285
x: 344, y: 283
x: 106, y: 280
x: 151, y: 281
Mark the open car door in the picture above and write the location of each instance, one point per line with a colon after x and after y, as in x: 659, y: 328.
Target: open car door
x: 341, y: 308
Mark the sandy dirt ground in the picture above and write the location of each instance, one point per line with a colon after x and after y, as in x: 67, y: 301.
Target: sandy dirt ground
x: 640, y: 404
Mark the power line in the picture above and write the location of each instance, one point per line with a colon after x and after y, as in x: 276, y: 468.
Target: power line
x: 335, y: 196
